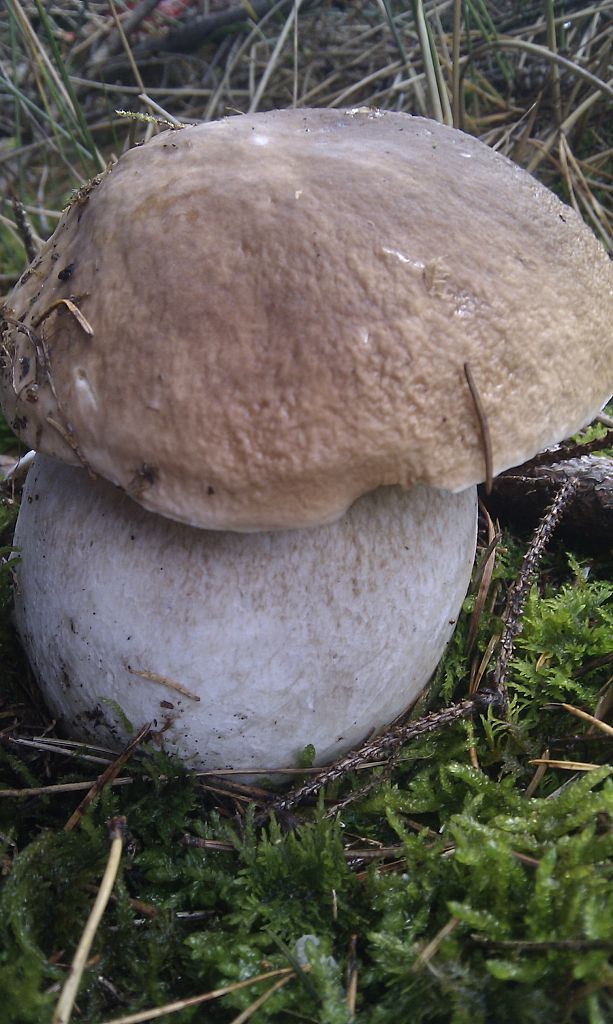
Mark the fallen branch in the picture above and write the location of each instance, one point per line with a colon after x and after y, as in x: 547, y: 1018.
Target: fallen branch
x: 193, y: 33
x: 520, y: 494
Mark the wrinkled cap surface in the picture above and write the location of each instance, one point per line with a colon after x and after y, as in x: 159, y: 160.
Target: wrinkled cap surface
x: 247, y: 324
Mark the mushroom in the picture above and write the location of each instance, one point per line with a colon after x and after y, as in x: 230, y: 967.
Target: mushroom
x: 246, y: 326
x: 240, y: 649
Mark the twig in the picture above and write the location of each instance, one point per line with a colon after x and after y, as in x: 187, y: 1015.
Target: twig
x: 568, y: 450
x: 363, y: 791
x: 109, y: 775
x: 519, y: 591
x: 374, y: 749
x: 63, y: 1010
x: 223, y: 773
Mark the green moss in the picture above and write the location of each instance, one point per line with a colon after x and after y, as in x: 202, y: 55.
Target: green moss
x: 476, y: 863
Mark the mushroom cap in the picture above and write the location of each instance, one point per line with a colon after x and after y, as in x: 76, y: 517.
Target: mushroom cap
x: 240, y: 649
x: 282, y: 307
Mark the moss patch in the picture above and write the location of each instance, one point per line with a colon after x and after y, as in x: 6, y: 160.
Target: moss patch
x: 483, y: 904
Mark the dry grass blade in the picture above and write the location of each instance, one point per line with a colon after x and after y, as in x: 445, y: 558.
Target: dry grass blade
x: 39, y: 53
x: 274, y: 57
x: 126, y: 46
x: 582, y: 197
x: 428, y: 57
x: 60, y: 107
x: 571, y: 766
x: 552, y: 43
x: 543, y: 53
x: 596, y: 722
x: 429, y: 951
x: 545, y: 146
x: 455, y: 63
x: 46, y: 745
x: 481, y: 669
x: 352, y: 976
x: 489, y: 562
x: 544, y: 945
x: 538, y: 776
x: 61, y: 787
x: 283, y: 973
x: 65, y: 1004
x: 248, y: 1013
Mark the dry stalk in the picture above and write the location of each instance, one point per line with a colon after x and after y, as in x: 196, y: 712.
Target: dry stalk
x: 63, y: 1010
x: 248, y: 1013
x: 596, y: 722
x: 284, y: 973
x: 486, y: 569
x: 62, y: 787
x: 570, y: 766
x: 429, y: 951
x: 352, y: 975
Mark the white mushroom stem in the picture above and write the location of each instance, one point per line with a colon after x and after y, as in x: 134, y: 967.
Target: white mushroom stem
x: 241, y: 649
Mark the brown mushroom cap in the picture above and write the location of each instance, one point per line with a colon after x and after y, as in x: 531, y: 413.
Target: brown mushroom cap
x: 282, y: 308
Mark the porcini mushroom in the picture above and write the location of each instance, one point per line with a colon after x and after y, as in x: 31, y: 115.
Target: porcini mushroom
x: 246, y: 326
x: 240, y: 649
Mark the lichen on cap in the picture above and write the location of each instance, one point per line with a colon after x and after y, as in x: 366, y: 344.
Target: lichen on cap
x: 247, y: 324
